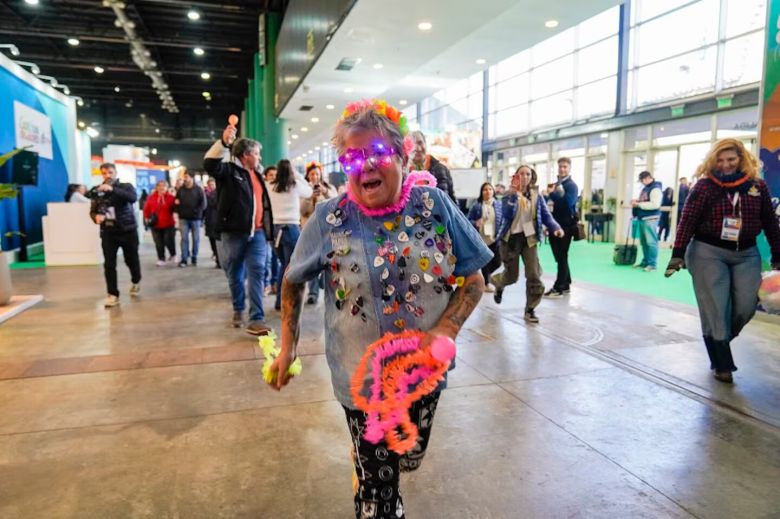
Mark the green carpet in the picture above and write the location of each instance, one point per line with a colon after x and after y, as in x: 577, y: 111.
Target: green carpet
x: 592, y: 263
x: 35, y: 261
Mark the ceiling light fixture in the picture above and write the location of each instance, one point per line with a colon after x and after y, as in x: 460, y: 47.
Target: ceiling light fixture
x: 349, y: 90
x: 193, y: 15
x: 330, y: 107
x: 289, y: 142
x: 551, y: 24
x: 198, y: 51
x: 294, y: 135
x: 403, y: 102
x: 205, y: 75
x: 304, y: 129
x: 315, y: 119
x: 206, y: 94
x: 92, y: 132
x: 99, y: 69
x: 324, y: 143
x: 481, y: 61
x: 13, y: 49
x: 317, y: 148
x: 117, y: 89
x: 31, y: 2
x: 74, y: 42
x: 378, y: 66
x: 82, y: 124
x: 425, y: 26
x: 33, y: 67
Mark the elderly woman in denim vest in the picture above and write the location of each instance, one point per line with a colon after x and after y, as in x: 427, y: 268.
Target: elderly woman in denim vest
x: 396, y: 256
x: 716, y: 239
x: 525, y: 212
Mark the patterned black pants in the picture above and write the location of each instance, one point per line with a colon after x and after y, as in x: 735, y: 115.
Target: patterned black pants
x: 378, y: 468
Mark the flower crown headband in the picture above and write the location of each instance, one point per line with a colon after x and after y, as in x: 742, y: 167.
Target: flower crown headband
x: 390, y: 112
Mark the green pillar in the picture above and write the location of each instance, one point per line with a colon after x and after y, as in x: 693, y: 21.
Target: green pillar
x: 260, y: 109
x: 250, y: 113
x: 275, y: 141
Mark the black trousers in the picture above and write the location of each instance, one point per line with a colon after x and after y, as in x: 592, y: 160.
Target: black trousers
x: 164, y: 238
x: 494, y: 263
x: 214, y: 248
x: 378, y: 469
x: 560, y: 249
x: 128, y: 241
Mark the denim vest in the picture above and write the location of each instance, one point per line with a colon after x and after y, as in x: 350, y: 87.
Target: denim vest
x: 383, y: 274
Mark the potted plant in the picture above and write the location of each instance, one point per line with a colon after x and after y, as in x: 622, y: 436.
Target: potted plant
x: 6, y: 191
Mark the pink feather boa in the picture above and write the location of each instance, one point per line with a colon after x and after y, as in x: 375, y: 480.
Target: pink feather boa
x: 415, y: 178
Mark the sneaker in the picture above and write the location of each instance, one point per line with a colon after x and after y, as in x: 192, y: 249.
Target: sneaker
x: 258, y: 328
x: 498, y: 295
x: 638, y: 266
x: 182, y: 264
x: 111, y: 301
x: 649, y: 269
x: 552, y: 293
x: 311, y: 300
x: 135, y: 289
x: 217, y: 265
x: 238, y: 319
x: 490, y: 287
x: 530, y: 316
x: 194, y: 262
x: 724, y: 376
x: 173, y: 259
x: 161, y: 263
x: 566, y: 291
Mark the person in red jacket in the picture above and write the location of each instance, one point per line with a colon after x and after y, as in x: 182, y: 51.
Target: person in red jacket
x: 158, y: 215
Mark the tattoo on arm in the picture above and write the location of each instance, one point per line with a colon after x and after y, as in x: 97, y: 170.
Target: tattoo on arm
x: 464, y: 300
x: 292, y: 304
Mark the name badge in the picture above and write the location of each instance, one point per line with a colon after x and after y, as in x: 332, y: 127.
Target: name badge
x: 731, y: 228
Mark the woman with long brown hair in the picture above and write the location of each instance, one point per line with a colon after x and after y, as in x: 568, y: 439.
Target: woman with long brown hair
x: 716, y: 240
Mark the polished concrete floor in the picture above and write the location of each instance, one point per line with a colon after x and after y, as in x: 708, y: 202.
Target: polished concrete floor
x: 156, y: 409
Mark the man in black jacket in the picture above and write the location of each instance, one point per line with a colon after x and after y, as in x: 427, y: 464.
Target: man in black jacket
x: 421, y: 161
x: 190, y: 204
x: 112, y: 209
x: 244, y: 222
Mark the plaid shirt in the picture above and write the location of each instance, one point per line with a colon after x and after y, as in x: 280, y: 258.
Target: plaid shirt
x: 708, y: 204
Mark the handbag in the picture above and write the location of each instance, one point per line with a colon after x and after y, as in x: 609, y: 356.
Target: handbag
x: 151, y: 221
x: 578, y: 231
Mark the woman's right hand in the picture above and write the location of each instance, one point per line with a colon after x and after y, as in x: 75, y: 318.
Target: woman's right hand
x: 229, y: 135
x: 279, y: 369
x: 674, y: 265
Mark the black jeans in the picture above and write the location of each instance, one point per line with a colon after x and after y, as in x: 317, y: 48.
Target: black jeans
x: 493, y: 264
x: 378, y: 468
x: 164, y: 238
x: 111, y: 242
x: 560, y: 249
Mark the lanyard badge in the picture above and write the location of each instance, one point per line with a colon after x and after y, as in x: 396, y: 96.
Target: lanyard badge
x: 732, y: 225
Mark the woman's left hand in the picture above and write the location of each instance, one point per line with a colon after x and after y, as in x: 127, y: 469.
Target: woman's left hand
x: 558, y: 233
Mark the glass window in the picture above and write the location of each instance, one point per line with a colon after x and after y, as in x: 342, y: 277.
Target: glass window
x: 597, y: 98
x: 475, y: 83
x: 512, y: 92
x: 597, y: 61
x: 553, y: 47
x: 646, y: 9
x: 568, y: 148
x: 510, y: 67
x: 738, y: 123
x: 686, y: 75
x: 742, y: 63
x: 535, y: 153
x: 512, y: 120
x: 744, y: 16
x: 456, y: 91
x: 674, y: 33
x: 552, y: 77
x: 598, y: 27
x: 475, y: 106
x: 430, y: 103
x: 637, y: 137
x: 597, y: 143
x: 410, y: 111
x: 552, y: 110
x: 692, y: 129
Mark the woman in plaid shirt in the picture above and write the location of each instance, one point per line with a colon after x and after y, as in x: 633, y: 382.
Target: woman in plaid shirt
x: 716, y: 239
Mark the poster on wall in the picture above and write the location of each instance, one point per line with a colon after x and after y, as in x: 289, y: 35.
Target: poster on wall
x: 33, y: 129
x: 459, y: 149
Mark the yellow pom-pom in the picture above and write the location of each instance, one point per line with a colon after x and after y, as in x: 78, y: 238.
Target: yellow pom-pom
x: 270, y: 352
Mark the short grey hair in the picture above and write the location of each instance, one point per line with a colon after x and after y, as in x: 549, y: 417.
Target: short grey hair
x: 242, y: 146
x: 421, y: 135
x: 366, y: 119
